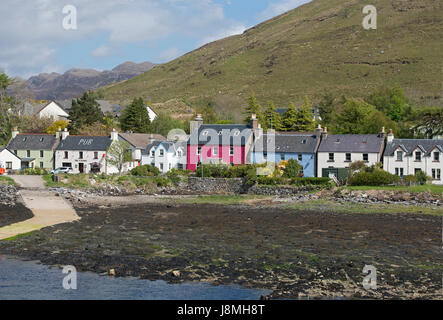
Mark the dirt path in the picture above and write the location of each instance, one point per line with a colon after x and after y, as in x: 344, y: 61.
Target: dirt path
x: 48, y: 208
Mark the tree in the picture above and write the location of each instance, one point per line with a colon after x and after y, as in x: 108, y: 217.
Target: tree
x: 135, y: 117
x: 33, y: 124
x: 391, y: 101
x: 290, y: 118
x: 292, y: 169
x: 304, y: 118
x: 353, y: 118
x: 8, y: 110
x: 429, y: 122
x: 84, y: 112
x: 253, y: 108
x: 163, y: 123
x: 272, y: 119
x: 60, y: 124
x: 326, y: 108
x: 118, y: 154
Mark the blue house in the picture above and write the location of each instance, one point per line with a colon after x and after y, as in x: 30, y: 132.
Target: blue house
x: 299, y: 146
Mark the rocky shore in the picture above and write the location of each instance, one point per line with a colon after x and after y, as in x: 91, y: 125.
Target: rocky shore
x: 296, y: 254
x: 11, y: 209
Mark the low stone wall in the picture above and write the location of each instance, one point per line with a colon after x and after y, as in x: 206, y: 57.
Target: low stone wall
x: 8, y: 195
x: 283, y: 191
x: 216, y: 185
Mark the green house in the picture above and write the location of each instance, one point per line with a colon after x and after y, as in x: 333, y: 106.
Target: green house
x: 34, y: 150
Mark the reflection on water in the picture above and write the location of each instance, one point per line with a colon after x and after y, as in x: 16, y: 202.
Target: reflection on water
x: 29, y: 280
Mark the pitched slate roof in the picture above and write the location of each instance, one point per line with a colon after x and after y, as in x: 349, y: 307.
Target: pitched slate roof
x: 289, y: 143
x: 141, y: 140
x: 25, y: 141
x: 85, y: 143
x: 409, y: 145
x: 365, y: 143
x: 219, y: 134
x: 169, y: 146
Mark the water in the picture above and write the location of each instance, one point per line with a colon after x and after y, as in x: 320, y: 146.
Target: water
x: 24, y: 280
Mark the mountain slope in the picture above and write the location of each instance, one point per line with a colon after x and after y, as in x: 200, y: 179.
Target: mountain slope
x: 75, y: 81
x: 316, y: 48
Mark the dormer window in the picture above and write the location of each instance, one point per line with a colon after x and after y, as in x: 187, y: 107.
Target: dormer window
x: 418, y: 156
x: 162, y: 152
x: 436, y: 156
x: 24, y: 139
x: 152, y: 153
x: 399, y: 156
x: 303, y: 141
x: 41, y: 139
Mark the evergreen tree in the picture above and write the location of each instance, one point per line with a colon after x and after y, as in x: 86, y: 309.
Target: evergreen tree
x: 272, y: 119
x: 84, y: 112
x: 135, y: 117
x: 290, y: 118
x: 305, y: 121
x: 354, y: 117
x: 253, y: 108
x: 326, y: 108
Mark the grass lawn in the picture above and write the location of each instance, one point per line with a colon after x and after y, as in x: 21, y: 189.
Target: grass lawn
x: 432, y: 188
x: 7, y: 180
x: 364, y: 208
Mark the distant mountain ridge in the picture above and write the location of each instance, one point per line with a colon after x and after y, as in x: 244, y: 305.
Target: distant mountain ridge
x: 71, y: 84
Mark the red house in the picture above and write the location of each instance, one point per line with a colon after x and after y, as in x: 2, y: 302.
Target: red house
x: 215, y: 143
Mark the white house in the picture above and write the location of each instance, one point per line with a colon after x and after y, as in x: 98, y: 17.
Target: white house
x: 337, y: 152
x: 8, y: 160
x: 152, y: 114
x: 87, y: 154
x: 139, y: 142
x: 165, y: 155
x: 50, y: 110
x: 408, y: 156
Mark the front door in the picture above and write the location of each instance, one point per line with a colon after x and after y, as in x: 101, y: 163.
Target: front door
x: 81, y: 167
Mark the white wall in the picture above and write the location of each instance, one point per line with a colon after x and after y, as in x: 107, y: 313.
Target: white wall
x: 152, y: 114
x: 52, y: 110
x: 409, y: 164
x: 169, y: 159
x: 340, y: 160
x: 8, y: 156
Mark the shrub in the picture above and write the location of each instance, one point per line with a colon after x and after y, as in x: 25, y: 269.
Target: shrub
x: 410, y: 180
x: 421, y: 177
x: 35, y: 172
x: 145, y: 171
x: 292, y: 169
x: 377, y: 177
x: 309, y: 181
x: 161, y: 181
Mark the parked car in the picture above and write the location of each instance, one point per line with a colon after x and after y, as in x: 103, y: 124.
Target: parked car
x: 62, y: 170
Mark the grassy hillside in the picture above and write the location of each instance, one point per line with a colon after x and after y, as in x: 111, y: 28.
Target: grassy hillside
x: 317, y: 48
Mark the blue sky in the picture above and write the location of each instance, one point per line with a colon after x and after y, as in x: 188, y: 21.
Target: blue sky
x: 110, y: 32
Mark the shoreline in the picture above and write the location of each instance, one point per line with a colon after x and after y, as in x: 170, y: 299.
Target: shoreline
x: 254, y: 244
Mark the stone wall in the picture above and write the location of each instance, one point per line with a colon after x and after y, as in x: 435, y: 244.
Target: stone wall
x: 282, y: 190
x: 8, y: 195
x: 216, y: 185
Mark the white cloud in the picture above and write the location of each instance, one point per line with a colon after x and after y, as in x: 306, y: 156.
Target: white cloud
x: 35, y: 34
x: 220, y: 34
x: 169, y: 55
x: 277, y: 8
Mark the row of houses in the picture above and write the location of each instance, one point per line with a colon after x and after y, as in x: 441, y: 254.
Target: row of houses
x: 321, y: 154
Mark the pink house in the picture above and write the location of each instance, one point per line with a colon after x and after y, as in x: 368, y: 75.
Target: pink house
x: 214, y: 143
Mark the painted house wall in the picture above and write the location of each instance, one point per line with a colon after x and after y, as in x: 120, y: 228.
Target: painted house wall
x: 47, y: 159
x: 308, y: 160
x: 409, y: 164
x: 212, y: 152
x: 340, y: 160
x: 6, y: 157
x: 53, y: 111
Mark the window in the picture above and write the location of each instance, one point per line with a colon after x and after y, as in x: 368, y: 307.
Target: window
x: 436, y: 174
x: 41, y: 153
x: 28, y: 153
x: 95, y: 155
x: 348, y: 157
x: 231, y: 151
x: 331, y: 157
x: 169, y: 166
x: 417, y: 170
x: 399, y: 156
x: 300, y: 157
x: 199, y: 150
x: 162, y: 152
x: 179, y: 153
x: 437, y: 156
x: 282, y: 156
x: 161, y: 166
x: 153, y: 153
x: 66, y: 154
x: 80, y: 155
x: 418, y: 156
x: 365, y: 157
x: 8, y: 165
x: 180, y: 166
x: 41, y: 165
x: 399, y: 172
x: 15, y: 151
x: 215, y: 151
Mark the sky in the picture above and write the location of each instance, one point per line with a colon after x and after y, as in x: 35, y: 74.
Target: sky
x: 44, y: 36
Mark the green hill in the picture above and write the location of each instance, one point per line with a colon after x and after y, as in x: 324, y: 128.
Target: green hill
x: 317, y: 48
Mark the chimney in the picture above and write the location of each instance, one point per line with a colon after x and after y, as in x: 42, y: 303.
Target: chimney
x: 383, y: 133
x: 195, y: 125
x: 114, y: 135
x: 58, y: 134
x: 15, y: 132
x: 319, y: 130
x: 65, y: 134
x: 390, y: 136
x: 254, y: 122
x: 324, y: 134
